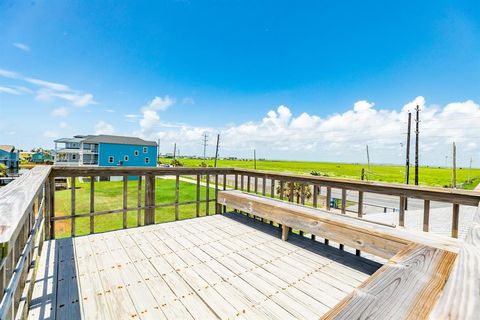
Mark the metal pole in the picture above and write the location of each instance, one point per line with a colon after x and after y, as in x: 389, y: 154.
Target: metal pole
x: 216, y: 150
x: 417, y: 132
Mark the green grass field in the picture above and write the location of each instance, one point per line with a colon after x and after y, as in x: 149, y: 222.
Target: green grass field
x: 108, y: 196
x: 430, y: 176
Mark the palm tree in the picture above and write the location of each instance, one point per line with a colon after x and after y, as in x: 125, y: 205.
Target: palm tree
x: 297, y: 191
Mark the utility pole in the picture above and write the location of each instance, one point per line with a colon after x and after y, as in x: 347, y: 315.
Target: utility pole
x: 469, y: 170
x: 204, y: 140
x: 368, y: 161
x: 216, y: 150
x: 174, y: 151
x: 407, y: 161
x: 255, y: 159
x: 417, y: 120
x: 454, y: 166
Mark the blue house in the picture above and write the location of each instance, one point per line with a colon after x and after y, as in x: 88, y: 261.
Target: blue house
x: 9, y: 156
x: 105, y: 151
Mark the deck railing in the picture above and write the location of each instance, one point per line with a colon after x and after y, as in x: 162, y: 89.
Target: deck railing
x: 24, y: 203
x: 22, y: 208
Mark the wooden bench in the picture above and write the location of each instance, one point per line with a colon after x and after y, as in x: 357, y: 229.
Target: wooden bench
x: 409, y: 285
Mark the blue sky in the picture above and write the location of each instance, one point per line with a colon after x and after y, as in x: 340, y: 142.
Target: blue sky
x: 221, y: 66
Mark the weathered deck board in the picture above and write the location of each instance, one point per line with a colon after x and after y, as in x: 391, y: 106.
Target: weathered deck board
x: 43, y: 303
x: 220, y: 266
x: 405, y: 288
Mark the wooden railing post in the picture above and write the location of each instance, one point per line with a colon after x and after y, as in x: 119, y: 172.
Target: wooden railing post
x: 47, y: 208
x: 401, y: 216
x: 426, y: 215
x: 360, y: 204
x: 224, y: 208
x: 282, y: 189
x: 207, y: 195
x: 139, y: 201
x: 344, y: 201
x: 125, y: 202
x: 177, y: 195
x: 72, y: 206
x: 92, y: 204
x: 197, y: 197
x: 272, y: 188
x: 149, y: 199
x: 292, y: 191
x: 455, y: 217
x: 218, y: 207
x: 329, y: 195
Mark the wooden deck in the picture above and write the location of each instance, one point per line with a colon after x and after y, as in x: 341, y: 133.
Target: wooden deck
x: 221, y: 266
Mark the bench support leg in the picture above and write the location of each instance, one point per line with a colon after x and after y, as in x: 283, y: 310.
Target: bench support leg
x: 285, y: 231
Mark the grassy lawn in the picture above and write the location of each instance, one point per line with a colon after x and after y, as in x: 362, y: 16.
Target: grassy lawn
x: 431, y: 176
x: 109, y: 196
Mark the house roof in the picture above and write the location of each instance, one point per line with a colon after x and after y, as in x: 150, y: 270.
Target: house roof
x: 75, y: 139
x: 103, y: 138
x: 7, y: 147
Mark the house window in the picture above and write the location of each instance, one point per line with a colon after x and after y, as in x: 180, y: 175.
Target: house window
x: 125, y: 158
x: 147, y: 160
x: 135, y: 153
x: 145, y: 149
x: 111, y: 159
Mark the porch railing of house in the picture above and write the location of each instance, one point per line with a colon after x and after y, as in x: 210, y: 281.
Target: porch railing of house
x: 25, y: 202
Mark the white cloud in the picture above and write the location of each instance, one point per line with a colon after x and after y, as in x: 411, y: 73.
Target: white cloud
x: 103, y: 127
x: 63, y: 125
x: 10, y: 91
x: 149, y: 120
x: 49, y: 91
x: 8, y: 74
x: 337, y: 137
x: 161, y: 104
x: 418, y: 101
x: 188, y: 100
x: 21, y: 46
x: 60, y: 112
x: 50, y: 134
x: 150, y: 117
x: 362, y: 105
x: 48, y: 84
x: 131, y: 117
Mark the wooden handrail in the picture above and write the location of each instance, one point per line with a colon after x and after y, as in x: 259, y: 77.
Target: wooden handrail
x: 464, y: 197
x: 22, y: 206
x: 16, y: 199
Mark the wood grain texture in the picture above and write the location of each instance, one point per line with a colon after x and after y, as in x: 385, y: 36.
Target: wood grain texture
x: 373, y: 238
x: 16, y: 199
x: 404, y: 288
x: 461, y: 296
x: 221, y: 266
